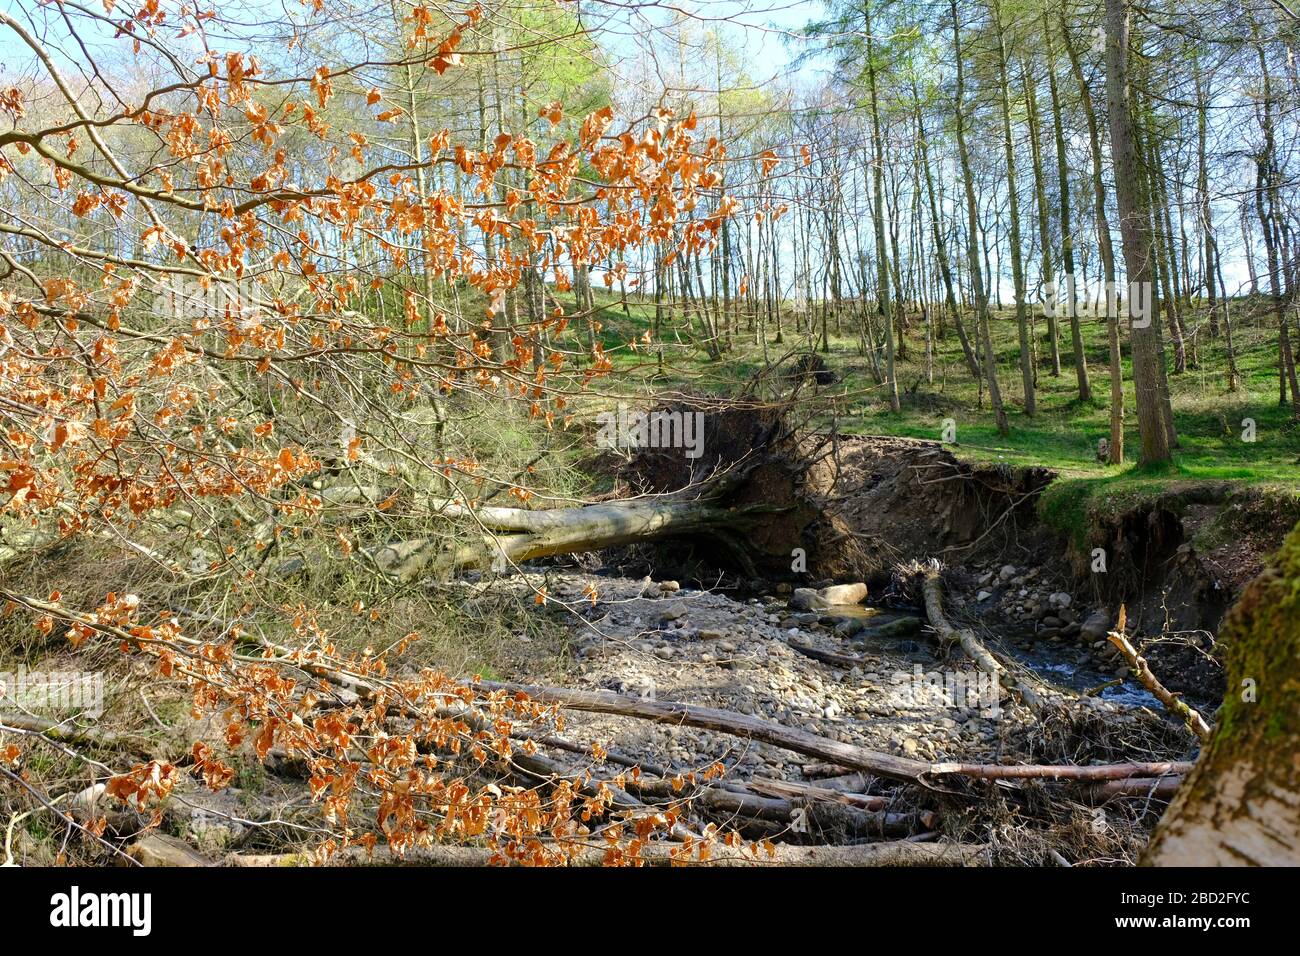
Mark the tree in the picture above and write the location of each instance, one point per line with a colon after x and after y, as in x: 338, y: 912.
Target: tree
x: 1132, y: 197
x: 1239, y: 805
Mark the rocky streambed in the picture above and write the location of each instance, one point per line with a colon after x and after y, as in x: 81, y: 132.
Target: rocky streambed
x: 870, y: 674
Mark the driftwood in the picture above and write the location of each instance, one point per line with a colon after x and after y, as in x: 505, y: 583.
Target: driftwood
x: 708, y: 718
x: 807, y: 791
x: 965, y: 637
x: 847, y: 661
x: 1155, y: 788
x: 894, y: 853
x: 797, y: 805
x: 1142, y: 670
x: 811, y: 745
x: 1109, y: 771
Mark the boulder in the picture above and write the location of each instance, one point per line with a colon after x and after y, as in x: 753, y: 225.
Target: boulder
x: 808, y: 599
x: 1095, y: 626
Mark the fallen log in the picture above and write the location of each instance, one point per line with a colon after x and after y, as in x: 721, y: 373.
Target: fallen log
x: 1169, y: 700
x: 984, y: 659
x: 811, y: 745
x: 807, y: 791
x: 847, y: 661
x: 708, y: 718
x: 854, y: 819
x: 1109, y: 771
x: 893, y: 853
x: 1153, y: 788
x: 505, y: 536
x: 66, y: 732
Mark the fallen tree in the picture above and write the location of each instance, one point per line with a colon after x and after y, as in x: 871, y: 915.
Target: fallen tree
x: 985, y: 660
x: 745, y: 495
x: 895, y: 853
x: 1169, y: 700
x: 513, y: 535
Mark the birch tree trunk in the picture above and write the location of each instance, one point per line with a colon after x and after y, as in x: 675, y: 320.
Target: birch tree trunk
x: 1240, y: 806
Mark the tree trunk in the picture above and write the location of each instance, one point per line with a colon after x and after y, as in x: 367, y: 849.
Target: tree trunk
x: 972, y: 242
x: 1013, y: 207
x: 1135, y: 231
x: 882, y: 261
x: 1240, y: 806
x: 1109, y: 295
x: 511, y: 535
x: 940, y: 247
x: 1067, y: 227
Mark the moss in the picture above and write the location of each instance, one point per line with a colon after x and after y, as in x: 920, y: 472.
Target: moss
x: 1262, y: 639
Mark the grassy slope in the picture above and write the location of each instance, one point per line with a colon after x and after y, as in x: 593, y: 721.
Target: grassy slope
x: 1063, y: 434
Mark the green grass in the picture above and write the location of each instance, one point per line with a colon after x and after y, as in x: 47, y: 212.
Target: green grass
x: 1062, y: 435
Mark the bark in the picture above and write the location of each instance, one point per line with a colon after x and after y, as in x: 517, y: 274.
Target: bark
x: 1116, y: 450
x: 972, y: 242
x: 1241, y: 804
x: 1135, y: 231
x: 897, y: 853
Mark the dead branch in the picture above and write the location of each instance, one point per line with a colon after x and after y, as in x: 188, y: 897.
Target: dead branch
x: 1169, y: 700
x: 811, y: 745
x: 965, y: 637
x: 895, y: 853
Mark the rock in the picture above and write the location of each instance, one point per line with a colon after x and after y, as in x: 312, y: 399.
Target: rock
x: 803, y: 599
x: 807, y: 599
x: 1095, y: 626
x: 158, y: 849
x: 1059, y: 599
x: 664, y: 653
x: 673, y: 612
x: 897, y: 628
x: 710, y: 634
x: 849, y: 627
x: 669, y: 586
x: 983, y: 595
x: 911, y: 746
x: 1008, y: 572
x: 1051, y: 621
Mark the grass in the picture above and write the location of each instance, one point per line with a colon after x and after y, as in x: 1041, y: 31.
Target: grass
x: 1061, y: 436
